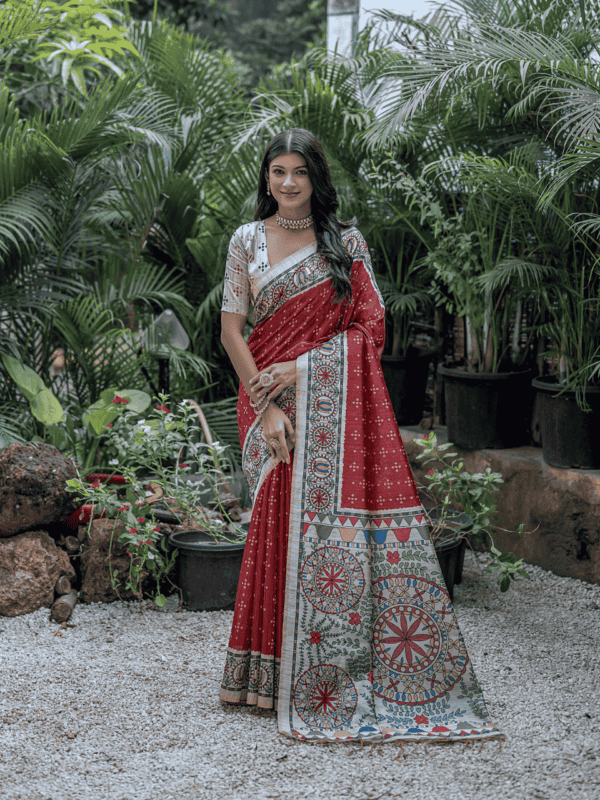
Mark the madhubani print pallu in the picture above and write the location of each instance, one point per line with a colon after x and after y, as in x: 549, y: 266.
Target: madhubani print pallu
x: 365, y: 643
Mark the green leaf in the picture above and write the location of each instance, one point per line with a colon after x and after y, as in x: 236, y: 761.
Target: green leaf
x: 28, y: 381
x: 43, y: 403
x: 46, y: 408
x: 504, y: 581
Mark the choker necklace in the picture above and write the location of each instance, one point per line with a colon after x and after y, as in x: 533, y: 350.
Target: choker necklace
x: 294, y: 224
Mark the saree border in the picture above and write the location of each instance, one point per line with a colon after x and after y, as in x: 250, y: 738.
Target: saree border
x: 469, y: 714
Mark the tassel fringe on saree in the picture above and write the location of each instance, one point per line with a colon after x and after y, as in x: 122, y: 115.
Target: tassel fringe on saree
x: 342, y: 620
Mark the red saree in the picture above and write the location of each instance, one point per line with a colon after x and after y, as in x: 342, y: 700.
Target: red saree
x: 342, y: 619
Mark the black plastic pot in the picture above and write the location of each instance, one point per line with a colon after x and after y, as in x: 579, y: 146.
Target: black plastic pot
x: 487, y: 409
x: 570, y: 436
x: 207, y: 571
x: 406, y: 381
x: 450, y: 547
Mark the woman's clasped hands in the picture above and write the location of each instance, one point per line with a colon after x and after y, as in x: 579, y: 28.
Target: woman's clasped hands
x: 276, y: 424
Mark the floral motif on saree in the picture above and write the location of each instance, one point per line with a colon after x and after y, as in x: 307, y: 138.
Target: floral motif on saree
x: 369, y: 643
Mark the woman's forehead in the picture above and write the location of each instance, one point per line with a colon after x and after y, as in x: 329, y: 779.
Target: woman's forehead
x: 288, y: 161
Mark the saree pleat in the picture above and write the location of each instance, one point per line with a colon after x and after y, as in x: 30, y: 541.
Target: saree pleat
x: 343, y: 621
x: 254, y: 653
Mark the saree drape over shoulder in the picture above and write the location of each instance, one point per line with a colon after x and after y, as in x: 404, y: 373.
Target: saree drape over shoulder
x: 342, y: 620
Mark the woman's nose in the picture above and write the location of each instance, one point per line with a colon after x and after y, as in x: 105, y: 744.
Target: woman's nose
x: 288, y: 180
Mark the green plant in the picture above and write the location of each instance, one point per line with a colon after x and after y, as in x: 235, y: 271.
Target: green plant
x: 135, y: 528
x: 159, y: 442
x: 509, y: 90
x: 451, y: 484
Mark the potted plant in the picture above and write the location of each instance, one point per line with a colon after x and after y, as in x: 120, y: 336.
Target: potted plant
x: 398, y: 243
x: 160, y: 440
x: 450, y: 485
x: 488, y: 396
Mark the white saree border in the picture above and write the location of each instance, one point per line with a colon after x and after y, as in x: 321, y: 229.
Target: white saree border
x: 371, y: 649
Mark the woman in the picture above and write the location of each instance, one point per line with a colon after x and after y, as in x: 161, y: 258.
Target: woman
x: 342, y: 620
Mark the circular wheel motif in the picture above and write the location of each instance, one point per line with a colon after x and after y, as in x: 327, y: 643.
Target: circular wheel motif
x: 324, y: 374
x: 332, y: 580
x: 325, y: 697
x: 319, y: 498
x: 407, y: 639
x: 322, y: 436
x: 418, y: 648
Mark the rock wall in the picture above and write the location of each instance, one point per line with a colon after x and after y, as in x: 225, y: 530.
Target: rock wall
x: 560, y: 507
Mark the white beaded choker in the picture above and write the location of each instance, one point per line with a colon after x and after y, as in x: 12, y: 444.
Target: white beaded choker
x: 294, y: 224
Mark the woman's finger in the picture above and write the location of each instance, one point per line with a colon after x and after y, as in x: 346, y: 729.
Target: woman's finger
x: 283, y: 451
x: 290, y: 429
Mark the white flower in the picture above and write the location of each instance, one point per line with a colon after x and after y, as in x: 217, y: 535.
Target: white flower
x: 113, y: 462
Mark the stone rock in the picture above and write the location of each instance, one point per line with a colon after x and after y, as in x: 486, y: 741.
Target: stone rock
x: 95, y: 566
x: 30, y: 565
x: 33, y: 487
x: 559, y: 507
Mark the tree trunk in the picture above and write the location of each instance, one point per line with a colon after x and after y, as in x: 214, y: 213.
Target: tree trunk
x: 63, y: 585
x: 63, y: 607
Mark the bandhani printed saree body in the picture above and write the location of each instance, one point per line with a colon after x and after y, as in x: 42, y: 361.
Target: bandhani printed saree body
x: 342, y: 621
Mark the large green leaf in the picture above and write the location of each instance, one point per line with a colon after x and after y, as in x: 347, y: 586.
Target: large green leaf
x: 44, y: 405
x: 46, y: 408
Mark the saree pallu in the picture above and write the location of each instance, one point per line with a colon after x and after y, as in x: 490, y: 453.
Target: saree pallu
x: 342, y: 620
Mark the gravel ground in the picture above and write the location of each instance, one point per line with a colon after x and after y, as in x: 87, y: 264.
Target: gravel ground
x: 123, y: 706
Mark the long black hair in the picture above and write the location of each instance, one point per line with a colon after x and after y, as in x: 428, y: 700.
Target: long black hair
x: 324, y: 203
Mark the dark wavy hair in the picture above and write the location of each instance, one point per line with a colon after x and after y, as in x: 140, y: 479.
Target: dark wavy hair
x: 324, y: 203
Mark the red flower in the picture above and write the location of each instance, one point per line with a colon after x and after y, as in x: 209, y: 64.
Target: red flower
x: 156, y: 530
x: 95, y: 485
x: 140, y: 519
x: 315, y: 637
x: 355, y: 619
x: 108, y: 425
x: 121, y: 509
x: 393, y: 556
x: 163, y: 408
x: 184, y: 466
x: 421, y: 720
x: 431, y: 472
x: 118, y: 400
x: 131, y: 530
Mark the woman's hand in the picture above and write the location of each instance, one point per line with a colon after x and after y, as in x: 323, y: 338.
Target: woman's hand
x: 275, y: 426
x: 283, y: 373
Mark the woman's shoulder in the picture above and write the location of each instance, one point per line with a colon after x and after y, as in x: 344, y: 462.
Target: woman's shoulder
x: 248, y: 230
x: 353, y: 240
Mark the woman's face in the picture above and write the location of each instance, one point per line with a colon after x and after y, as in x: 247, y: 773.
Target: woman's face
x: 290, y: 185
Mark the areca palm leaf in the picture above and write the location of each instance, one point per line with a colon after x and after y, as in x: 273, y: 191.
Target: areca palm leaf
x: 99, y: 352
x: 20, y: 21
x: 121, y: 283
x: 399, y: 302
x: 527, y: 275
x: 324, y: 100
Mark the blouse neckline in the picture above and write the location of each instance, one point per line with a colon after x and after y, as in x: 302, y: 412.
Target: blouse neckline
x: 290, y: 260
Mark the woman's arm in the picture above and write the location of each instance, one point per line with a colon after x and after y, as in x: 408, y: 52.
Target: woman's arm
x: 275, y: 422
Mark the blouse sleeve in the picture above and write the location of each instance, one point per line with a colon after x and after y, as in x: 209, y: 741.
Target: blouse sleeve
x: 236, y: 291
